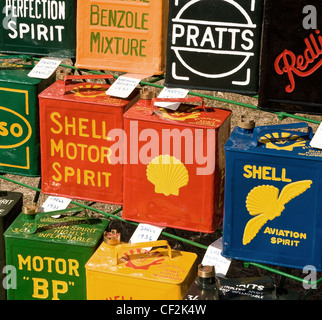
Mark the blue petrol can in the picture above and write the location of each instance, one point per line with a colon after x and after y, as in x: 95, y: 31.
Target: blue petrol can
x: 273, y: 211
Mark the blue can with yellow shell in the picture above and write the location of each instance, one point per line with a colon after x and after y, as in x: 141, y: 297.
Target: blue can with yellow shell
x: 272, y: 209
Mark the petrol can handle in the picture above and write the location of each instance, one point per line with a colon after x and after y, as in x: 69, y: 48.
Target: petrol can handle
x: 86, y: 77
x: 20, y: 56
x: 181, y: 100
x: 259, y: 131
x: 127, y: 246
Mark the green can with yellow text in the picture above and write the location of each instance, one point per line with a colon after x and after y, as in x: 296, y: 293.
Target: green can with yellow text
x: 49, y: 262
x: 19, y: 122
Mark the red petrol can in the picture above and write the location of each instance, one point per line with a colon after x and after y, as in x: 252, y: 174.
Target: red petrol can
x: 76, y: 119
x: 174, y: 174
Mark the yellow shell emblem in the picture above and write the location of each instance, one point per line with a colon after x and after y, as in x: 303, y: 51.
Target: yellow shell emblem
x: 168, y: 175
x: 84, y: 91
x: 180, y: 115
x: 282, y: 141
x: 267, y: 203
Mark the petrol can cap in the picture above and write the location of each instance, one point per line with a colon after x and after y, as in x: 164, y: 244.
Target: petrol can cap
x: 206, y: 271
x: 112, y: 238
x: 246, y: 124
x: 30, y: 209
x: 147, y: 94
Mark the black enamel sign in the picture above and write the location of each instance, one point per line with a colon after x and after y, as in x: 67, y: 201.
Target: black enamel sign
x: 291, y: 71
x: 214, y: 45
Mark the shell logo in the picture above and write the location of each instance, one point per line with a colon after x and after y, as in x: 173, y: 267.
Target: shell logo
x: 89, y: 91
x: 224, y: 33
x: 141, y: 259
x: 282, y: 141
x: 179, y: 115
x: 15, y: 129
x: 167, y: 174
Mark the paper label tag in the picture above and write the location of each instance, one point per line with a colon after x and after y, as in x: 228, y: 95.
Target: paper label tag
x: 213, y: 257
x: 44, y: 68
x: 171, y: 93
x: 55, y: 203
x: 316, y: 141
x: 146, y: 232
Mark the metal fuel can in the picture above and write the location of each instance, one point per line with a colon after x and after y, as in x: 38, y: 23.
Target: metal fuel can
x: 50, y: 254
x: 41, y: 28
x: 214, y: 45
x: 174, y: 187
x: 273, y: 183
x: 10, y: 207
x: 75, y: 121
x: 130, y: 272
x: 291, y: 57
x: 19, y: 126
x: 119, y: 35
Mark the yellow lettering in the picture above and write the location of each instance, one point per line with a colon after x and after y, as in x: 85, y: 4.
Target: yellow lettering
x: 59, y: 177
x: 265, y: 173
x: 56, y: 147
x: 82, y: 127
x: 13, y: 130
x: 69, y: 172
x: 62, y: 269
x: 284, y: 176
x: 70, y: 125
x: 59, y: 287
x: 40, y: 288
x: 248, y: 170
x: 40, y: 262
x: 73, y: 266
x: 23, y: 261
x: 60, y: 127
x: 89, y: 175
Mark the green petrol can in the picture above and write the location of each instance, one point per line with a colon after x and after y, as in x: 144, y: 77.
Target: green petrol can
x: 19, y: 121
x: 49, y: 255
x: 41, y: 28
x: 10, y: 207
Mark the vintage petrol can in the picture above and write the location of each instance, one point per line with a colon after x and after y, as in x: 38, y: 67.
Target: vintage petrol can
x: 272, y: 198
x: 174, y: 174
x: 207, y: 286
x: 19, y: 126
x: 130, y: 272
x: 291, y: 57
x: 75, y: 122
x: 10, y: 207
x: 50, y: 260
x: 214, y: 45
x: 119, y: 35
x: 39, y: 28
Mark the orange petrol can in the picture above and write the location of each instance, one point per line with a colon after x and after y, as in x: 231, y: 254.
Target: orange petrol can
x: 75, y: 121
x: 130, y: 272
x: 117, y: 35
x: 175, y: 160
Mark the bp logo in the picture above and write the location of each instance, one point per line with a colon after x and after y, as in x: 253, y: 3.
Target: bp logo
x: 214, y: 44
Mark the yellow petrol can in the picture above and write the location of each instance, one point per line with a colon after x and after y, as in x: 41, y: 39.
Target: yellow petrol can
x: 129, y: 271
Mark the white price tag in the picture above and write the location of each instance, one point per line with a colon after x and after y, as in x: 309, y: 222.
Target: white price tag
x: 146, y: 232
x: 44, y: 68
x: 55, y: 203
x: 171, y: 93
x: 123, y: 87
x: 213, y: 257
x: 316, y: 141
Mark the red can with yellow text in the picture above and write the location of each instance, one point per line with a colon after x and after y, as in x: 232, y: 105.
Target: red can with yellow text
x: 174, y: 175
x: 75, y: 121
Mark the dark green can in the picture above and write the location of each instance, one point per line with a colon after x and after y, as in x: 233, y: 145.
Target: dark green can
x: 19, y: 122
x: 46, y: 27
x: 50, y: 261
